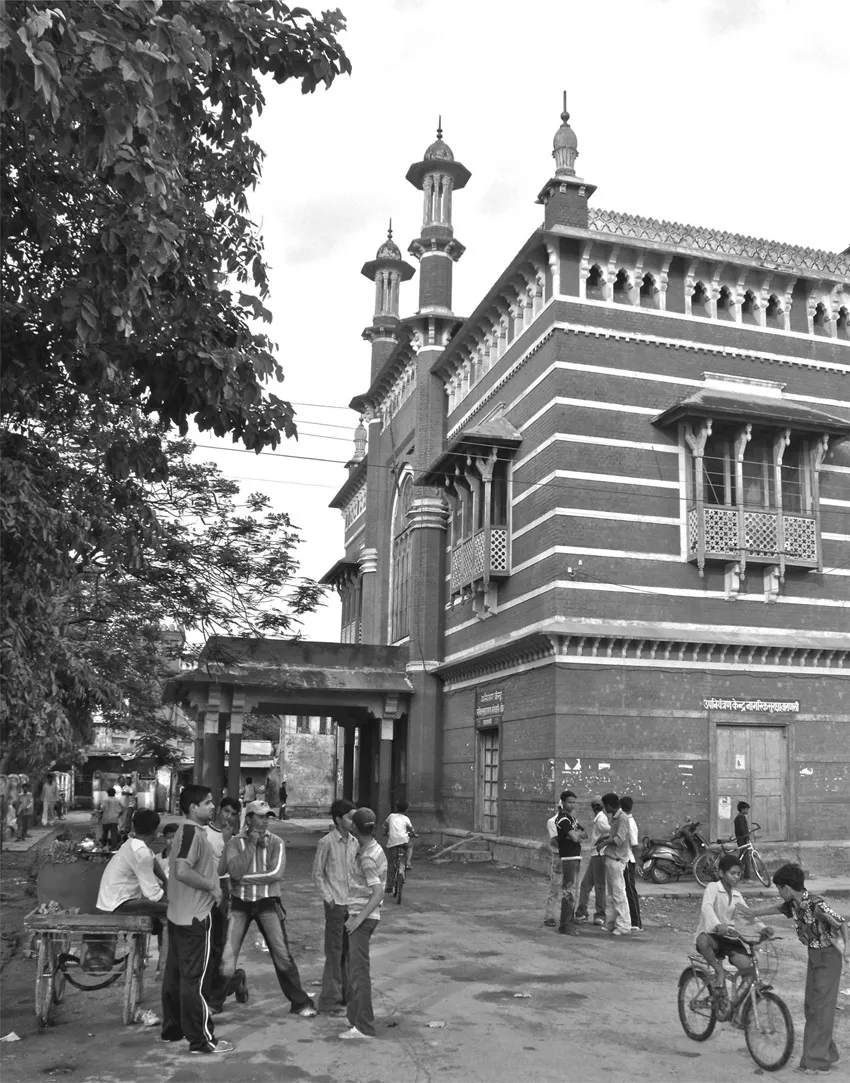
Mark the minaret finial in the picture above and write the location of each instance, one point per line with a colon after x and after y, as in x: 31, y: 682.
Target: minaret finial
x: 440, y: 126
x: 565, y: 116
x: 390, y: 231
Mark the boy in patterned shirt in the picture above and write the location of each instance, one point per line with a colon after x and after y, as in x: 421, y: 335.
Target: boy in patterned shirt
x: 818, y: 928
x: 365, y: 899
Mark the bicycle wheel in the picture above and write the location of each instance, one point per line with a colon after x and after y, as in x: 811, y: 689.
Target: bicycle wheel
x: 705, y: 870
x: 759, y: 868
x: 769, y: 1030
x: 399, y: 880
x: 44, y: 967
x: 697, y: 1012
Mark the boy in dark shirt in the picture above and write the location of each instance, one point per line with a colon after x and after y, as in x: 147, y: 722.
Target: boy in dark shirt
x: 742, y: 836
x: 570, y: 834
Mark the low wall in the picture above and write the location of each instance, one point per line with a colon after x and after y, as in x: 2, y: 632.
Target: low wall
x: 819, y: 858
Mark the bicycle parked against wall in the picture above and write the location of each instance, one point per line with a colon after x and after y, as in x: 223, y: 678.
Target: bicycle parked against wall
x: 705, y: 867
x: 750, y: 1005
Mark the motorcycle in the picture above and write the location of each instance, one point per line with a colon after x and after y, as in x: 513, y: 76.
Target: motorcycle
x: 662, y: 859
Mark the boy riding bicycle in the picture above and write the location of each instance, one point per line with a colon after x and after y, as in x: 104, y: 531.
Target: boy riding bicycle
x: 716, y: 934
x: 399, y: 832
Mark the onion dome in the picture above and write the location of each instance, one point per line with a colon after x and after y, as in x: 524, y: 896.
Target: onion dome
x: 389, y: 249
x: 565, y: 146
x: 439, y: 151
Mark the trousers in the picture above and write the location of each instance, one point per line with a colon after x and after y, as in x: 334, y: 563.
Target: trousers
x: 186, y: 985
x: 271, y: 921
x: 334, y: 992
x: 822, y: 980
x: 359, y: 1009
x: 570, y: 868
x: 552, y: 909
x: 593, y: 879
x: 616, y: 903
x: 632, y: 896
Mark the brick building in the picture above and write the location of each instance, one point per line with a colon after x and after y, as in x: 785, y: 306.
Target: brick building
x: 604, y: 523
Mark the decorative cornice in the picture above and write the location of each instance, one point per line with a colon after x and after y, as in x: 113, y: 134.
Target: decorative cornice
x: 368, y: 561
x: 536, y: 648
x: 773, y: 254
x: 355, y: 481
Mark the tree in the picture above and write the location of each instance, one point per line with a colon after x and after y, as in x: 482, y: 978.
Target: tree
x: 133, y: 281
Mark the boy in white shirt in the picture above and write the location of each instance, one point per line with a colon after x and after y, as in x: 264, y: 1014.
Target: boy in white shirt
x: 399, y: 832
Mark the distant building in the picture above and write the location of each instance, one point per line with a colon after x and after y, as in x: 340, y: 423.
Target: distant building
x: 596, y: 534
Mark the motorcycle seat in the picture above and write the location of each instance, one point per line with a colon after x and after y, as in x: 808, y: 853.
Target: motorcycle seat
x: 664, y: 842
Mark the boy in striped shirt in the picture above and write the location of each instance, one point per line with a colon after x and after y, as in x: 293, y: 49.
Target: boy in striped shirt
x: 255, y: 860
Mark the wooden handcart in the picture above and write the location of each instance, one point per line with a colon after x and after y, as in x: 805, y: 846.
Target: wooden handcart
x: 57, y: 964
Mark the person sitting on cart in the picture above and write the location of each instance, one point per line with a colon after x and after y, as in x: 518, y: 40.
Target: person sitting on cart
x: 717, y: 937
x: 130, y: 884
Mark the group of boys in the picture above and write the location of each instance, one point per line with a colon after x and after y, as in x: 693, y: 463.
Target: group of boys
x: 610, y: 871
x: 213, y: 880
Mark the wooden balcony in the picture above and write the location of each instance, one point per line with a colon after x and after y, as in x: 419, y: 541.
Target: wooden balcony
x: 483, y: 555
x: 760, y: 535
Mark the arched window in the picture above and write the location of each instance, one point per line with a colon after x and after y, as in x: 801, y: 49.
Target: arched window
x: 399, y: 604
x: 596, y: 283
x: 622, y: 285
x: 842, y: 324
x: 749, y: 308
x: 725, y: 304
x: 648, y: 292
x: 774, y: 316
x: 820, y: 321
x: 699, y: 300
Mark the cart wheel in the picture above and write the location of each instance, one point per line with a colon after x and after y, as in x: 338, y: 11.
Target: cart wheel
x: 62, y: 948
x: 131, y: 982
x: 44, y: 967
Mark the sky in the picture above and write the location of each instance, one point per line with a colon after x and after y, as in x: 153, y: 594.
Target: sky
x: 731, y: 114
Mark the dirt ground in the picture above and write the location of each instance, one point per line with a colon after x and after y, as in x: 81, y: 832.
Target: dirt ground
x: 464, y: 942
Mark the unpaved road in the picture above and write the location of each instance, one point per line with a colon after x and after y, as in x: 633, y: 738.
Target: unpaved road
x: 464, y: 941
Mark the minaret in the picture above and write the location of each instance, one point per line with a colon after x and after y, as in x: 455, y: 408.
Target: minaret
x: 387, y: 270
x: 565, y: 196
x: 437, y: 176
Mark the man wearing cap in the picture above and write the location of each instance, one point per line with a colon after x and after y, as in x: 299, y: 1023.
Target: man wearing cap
x: 255, y: 860
x: 365, y: 899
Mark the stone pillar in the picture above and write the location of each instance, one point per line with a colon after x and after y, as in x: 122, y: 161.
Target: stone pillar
x: 370, y: 623
x: 385, y: 769
x: 348, y: 763
x: 198, y: 765
x: 365, y: 767
x: 212, y: 769
x: 234, y: 768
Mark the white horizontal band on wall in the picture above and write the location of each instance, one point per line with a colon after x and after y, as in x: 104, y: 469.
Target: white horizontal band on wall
x: 593, y: 513
x: 590, y: 475
x: 583, y: 550
x: 604, y: 441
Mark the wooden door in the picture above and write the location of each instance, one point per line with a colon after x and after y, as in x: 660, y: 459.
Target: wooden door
x: 488, y: 781
x: 751, y: 765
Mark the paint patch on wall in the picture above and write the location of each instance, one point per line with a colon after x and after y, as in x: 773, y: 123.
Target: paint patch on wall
x: 603, y: 766
x: 807, y: 770
x: 568, y: 769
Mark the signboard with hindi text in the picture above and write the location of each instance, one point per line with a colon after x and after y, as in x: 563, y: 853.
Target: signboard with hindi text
x: 756, y: 706
x: 489, y: 706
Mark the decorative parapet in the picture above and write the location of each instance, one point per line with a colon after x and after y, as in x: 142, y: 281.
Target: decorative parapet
x: 775, y: 254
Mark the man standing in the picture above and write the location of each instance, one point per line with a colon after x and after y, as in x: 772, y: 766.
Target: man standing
x: 48, y: 801
x: 255, y: 860
x: 553, y: 898
x: 615, y: 848
x: 570, y: 834
x: 594, y: 876
x: 365, y: 899
x: 627, y: 804
x: 819, y: 928
x: 219, y: 832
x: 742, y: 836
x: 332, y: 867
x: 193, y: 889
x: 25, y: 808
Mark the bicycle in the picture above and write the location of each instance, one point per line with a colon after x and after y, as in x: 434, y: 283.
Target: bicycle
x: 705, y: 867
x: 398, y: 877
x: 752, y: 1006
